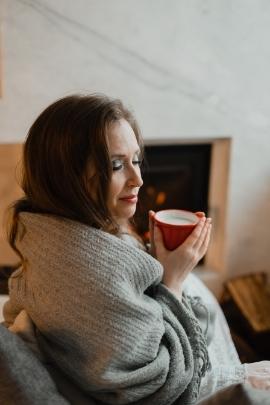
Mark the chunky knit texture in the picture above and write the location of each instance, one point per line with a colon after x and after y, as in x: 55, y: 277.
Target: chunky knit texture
x: 103, y: 317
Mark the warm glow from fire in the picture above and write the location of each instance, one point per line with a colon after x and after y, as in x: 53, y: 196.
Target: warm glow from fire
x: 150, y: 190
x: 161, y: 198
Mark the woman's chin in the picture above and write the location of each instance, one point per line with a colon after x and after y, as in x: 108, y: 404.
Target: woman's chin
x: 124, y: 216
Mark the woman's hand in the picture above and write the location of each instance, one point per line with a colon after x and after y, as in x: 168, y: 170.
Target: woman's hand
x: 178, y: 263
x: 258, y: 374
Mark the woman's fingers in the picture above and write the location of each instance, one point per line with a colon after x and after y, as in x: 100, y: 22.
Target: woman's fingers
x: 197, y: 242
x: 197, y: 245
x: 204, y: 246
x: 195, y: 234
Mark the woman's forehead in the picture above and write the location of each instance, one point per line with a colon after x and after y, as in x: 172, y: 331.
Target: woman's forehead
x: 122, y: 139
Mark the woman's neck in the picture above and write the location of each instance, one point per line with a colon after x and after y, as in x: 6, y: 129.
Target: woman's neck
x: 126, y: 227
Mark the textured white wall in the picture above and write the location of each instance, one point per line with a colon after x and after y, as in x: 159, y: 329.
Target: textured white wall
x: 188, y: 68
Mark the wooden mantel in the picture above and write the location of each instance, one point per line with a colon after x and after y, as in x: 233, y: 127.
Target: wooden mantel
x: 10, y: 157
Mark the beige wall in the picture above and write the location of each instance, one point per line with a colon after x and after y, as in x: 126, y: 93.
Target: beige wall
x: 10, y: 155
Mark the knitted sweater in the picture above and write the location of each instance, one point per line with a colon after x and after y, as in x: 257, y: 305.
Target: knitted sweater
x: 103, y: 317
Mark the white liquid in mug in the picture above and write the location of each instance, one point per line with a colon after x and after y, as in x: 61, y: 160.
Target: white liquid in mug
x: 176, y: 220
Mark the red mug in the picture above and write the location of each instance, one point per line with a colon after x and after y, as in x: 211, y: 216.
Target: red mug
x: 175, y: 226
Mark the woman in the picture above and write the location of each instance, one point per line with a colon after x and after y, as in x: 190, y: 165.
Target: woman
x: 106, y: 314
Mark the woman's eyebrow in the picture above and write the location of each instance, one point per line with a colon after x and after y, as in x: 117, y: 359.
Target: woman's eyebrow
x: 120, y: 155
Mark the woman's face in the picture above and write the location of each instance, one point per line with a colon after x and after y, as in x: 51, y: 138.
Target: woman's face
x: 126, y: 177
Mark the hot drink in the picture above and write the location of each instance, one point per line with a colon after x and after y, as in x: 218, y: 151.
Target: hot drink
x: 175, y: 226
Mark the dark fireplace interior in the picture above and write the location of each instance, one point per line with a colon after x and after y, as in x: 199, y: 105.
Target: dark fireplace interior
x: 175, y: 176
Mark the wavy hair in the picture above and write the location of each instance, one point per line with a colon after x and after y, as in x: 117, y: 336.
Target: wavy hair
x: 67, y: 136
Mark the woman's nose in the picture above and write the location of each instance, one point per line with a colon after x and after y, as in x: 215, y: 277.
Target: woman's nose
x: 135, y: 178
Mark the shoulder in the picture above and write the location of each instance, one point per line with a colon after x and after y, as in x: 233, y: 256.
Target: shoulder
x: 54, y: 244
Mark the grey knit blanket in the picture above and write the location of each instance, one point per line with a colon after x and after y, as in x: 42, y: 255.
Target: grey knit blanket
x: 103, y: 317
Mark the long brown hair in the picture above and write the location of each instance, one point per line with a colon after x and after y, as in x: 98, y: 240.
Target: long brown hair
x: 64, y: 139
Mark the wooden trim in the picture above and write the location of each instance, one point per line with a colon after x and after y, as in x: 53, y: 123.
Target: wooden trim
x: 217, y: 202
x: 1, y: 58
x: 10, y: 156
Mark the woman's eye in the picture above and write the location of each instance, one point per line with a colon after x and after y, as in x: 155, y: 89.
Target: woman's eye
x: 117, y: 164
x: 137, y: 162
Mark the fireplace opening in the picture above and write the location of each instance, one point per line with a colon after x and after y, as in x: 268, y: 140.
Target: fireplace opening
x: 175, y: 176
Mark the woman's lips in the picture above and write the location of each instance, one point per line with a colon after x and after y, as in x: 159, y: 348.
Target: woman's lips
x: 132, y: 199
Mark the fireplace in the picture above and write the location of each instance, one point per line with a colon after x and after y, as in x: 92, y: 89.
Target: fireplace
x: 175, y: 176
x: 191, y: 174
